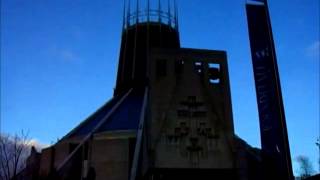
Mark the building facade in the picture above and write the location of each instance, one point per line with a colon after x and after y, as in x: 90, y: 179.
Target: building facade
x: 170, y: 116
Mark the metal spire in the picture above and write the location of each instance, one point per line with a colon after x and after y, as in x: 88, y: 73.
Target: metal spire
x: 159, y: 10
x: 176, y: 15
x: 128, y: 14
x: 124, y: 15
x: 137, y: 13
x: 148, y: 11
x: 169, y: 13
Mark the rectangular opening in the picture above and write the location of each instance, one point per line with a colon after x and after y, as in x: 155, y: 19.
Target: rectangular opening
x: 214, y: 81
x: 214, y: 65
x: 214, y: 73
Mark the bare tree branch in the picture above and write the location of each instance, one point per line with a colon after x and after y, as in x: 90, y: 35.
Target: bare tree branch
x: 5, y: 157
x: 13, y: 153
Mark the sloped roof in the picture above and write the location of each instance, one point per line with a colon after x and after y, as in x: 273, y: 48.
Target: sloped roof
x: 125, y: 117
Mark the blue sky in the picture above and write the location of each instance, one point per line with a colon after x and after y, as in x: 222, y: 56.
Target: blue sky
x: 59, y: 60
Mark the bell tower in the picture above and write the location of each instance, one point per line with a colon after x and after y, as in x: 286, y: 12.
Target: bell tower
x: 190, y: 131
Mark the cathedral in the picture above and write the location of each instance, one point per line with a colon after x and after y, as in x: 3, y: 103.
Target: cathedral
x: 170, y: 116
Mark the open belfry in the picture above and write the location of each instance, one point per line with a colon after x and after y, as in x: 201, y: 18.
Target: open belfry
x: 170, y: 116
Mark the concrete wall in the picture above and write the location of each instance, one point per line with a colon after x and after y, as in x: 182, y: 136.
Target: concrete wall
x: 191, y: 123
x: 110, y: 157
x: 61, y: 152
x: 46, y: 161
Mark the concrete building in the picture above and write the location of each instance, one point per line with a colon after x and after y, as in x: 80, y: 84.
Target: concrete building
x: 170, y: 117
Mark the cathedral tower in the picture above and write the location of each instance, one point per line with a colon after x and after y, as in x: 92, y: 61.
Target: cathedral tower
x: 146, y: 25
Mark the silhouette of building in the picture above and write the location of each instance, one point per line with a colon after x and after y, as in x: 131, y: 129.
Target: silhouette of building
x: 170, y: 116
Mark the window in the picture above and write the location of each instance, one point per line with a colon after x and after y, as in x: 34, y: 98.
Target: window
x: 214, y: 73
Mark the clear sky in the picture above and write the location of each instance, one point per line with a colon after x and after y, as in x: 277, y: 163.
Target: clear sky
x: 59, y: 61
